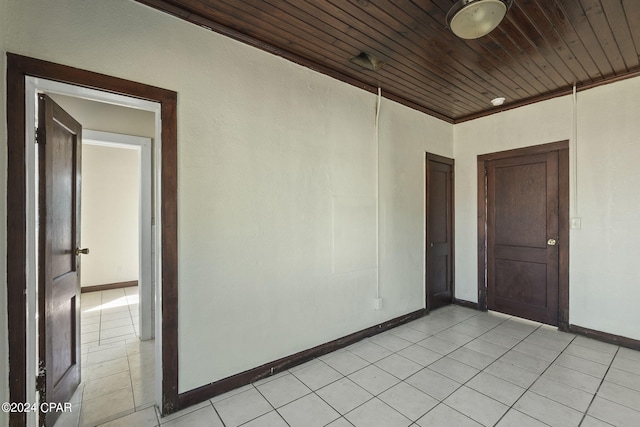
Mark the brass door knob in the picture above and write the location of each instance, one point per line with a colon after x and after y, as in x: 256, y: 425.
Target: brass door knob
x: 551, y: 242
x: 84, y: 251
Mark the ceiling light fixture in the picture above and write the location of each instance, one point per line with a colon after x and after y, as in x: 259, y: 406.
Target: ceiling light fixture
x: 470, y: 19
x: 496, y: 102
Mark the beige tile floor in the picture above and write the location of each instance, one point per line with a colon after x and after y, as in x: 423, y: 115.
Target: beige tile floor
x: 455, y: 367
x: 117, y: 368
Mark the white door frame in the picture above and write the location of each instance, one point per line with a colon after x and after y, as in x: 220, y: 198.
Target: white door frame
x: 145, y: 222
x: 33, y: 86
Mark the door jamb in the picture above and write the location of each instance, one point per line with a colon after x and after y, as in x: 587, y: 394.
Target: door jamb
x: 450, y: 162
x: 563, y: 222
x: 18, y: 68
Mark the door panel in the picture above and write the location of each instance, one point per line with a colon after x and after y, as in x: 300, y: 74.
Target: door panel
x: 61, y: 213
x: 530, y: 290
x: 520, y: 208
x: 439, y: 262
x: 59, y: 156
x: 522, y: 215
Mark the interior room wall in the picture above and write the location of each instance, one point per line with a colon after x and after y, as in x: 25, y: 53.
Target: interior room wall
x: 604, y: 273
x: 603, y: 277
x: 277, y: 182
x: 110, y: 214
x: 405, y: 137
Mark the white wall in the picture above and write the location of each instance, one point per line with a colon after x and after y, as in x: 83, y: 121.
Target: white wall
x: 603, y: 276
x: 4, y: 350
x: 604, y: 273
x: 277, y: 182
x: 110, y: 211
x: 405, y: 136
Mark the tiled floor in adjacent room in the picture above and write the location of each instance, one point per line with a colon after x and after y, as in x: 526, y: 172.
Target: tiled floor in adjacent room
x: 117, y: 368
x: 455, y: 367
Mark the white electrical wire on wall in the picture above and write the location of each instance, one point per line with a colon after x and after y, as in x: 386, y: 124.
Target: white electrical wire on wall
x: 377, y: 142
x: 574, y: 142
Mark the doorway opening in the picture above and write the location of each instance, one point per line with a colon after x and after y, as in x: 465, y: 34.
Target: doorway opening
x: 117, y: 217
x: 117, y: 301
x: 25, y: 78
x: 112, y: 324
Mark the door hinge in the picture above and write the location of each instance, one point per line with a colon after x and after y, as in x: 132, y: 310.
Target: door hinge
x: 40, y: 136
x: 41, y: 383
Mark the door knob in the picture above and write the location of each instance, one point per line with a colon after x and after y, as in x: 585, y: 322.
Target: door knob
x: 551, y: 242
x: 84, y: 251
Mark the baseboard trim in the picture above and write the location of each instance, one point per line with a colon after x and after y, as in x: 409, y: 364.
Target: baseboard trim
x: 108, y: 286
x: 467, y: 304
x: 606, y: 337
x: 208, y: 391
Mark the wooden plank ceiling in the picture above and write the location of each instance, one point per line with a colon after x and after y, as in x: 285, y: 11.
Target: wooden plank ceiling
x: 538, y: 51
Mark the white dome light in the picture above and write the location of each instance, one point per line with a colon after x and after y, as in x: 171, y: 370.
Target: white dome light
x: 471, y: 19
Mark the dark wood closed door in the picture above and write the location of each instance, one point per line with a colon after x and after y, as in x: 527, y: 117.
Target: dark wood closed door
x: 59, y: 145
x: 439, y: 262
x: 523, y: 236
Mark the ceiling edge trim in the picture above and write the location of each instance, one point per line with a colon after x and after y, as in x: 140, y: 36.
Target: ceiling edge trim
x: 550, y: 95
x: 179, y: 12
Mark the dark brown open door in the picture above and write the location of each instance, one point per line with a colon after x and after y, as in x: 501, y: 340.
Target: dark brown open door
x: 59, y: 156
x: 439, y: 262
x: 523, y: 236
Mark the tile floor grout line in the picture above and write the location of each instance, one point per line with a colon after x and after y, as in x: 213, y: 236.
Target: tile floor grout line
x: 358, y: 385
x: 598, y: 389
x: 593, y: 349
x: 354, y: 408
x: 114, y: 343
x: 539, y: 376
x: 351, y: 410
x: 130, y: 379
x: 271, y: 404
x: 454, y: 409
x: 581, y: 372
x: 463, y: 384
x: 482, y: 370
x: 621, y: 386
x: 217, y: 413
x: 512, y: 348
x: 451, y: 318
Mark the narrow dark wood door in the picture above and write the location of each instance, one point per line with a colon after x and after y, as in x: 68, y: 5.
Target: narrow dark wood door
x: 523, y: 236
x: 59, y: 145
x: 439, y: 262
